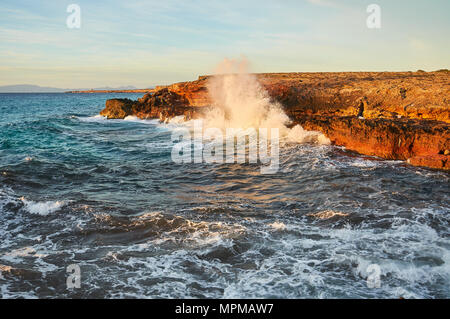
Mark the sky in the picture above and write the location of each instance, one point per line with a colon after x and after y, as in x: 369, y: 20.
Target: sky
x: 145, y: 43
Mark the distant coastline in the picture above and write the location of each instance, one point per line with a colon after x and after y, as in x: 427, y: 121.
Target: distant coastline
x: 113, y: 91
x: 30, y: 88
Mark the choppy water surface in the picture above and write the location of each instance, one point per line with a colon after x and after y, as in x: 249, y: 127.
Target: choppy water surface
x: 78, y: 189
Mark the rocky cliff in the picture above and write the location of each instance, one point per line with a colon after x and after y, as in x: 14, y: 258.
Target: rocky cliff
x: 393, y: 115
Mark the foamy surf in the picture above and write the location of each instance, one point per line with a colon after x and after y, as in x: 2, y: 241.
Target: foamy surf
x: 42, y: 208
x: 93, y: 119
x: 135, y: 119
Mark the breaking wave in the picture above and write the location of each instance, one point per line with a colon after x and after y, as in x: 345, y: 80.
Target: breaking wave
x: 239, y: 101
x: 42, y: 208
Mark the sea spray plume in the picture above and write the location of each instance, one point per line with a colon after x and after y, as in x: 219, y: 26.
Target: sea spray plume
x: 241, y: 121
x: 240, y: 101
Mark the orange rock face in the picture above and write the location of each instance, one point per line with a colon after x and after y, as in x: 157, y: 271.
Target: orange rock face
x: 418, y: 95
x: 435, y: 161
x: 421, y: 142
x: 406, y: 114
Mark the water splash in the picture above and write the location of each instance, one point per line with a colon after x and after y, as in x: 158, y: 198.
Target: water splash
x: 240, y: 101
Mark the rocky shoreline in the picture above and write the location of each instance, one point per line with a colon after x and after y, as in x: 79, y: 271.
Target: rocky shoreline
x: 392, y: 115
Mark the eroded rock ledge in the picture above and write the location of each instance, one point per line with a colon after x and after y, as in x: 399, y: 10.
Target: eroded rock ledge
x: 406, y: 114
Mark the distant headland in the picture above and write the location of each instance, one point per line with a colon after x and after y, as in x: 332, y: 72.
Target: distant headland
x: 30, y: 88
x: 113, y: 91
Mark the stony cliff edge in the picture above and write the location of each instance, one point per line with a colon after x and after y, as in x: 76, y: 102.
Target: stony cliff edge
x: 392, y: 115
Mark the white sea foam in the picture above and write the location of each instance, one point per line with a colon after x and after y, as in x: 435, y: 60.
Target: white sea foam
x: 18, y: 254
x: 199, y: 233
x: 42, y: 208
x: 93, y: 119
x: 309, y: 261
x: 133, y: 118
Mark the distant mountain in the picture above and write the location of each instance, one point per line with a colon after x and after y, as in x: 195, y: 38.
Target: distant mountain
x: 28, y: 88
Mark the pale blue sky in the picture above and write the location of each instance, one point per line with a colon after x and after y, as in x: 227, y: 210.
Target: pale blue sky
x: 143, y: 43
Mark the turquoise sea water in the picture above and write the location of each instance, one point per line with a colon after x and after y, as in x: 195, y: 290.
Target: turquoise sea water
x: 105, y: 195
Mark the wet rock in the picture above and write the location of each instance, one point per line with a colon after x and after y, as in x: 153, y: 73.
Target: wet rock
x: 420, y: 141
x: 163, y: 104
x: 117, y: 108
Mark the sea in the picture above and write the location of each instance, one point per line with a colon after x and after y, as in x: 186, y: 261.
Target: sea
x: 97, y: 208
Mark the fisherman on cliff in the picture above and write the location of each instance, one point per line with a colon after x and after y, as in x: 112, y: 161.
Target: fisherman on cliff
x: 361, y: 110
